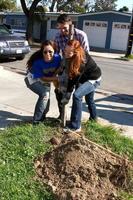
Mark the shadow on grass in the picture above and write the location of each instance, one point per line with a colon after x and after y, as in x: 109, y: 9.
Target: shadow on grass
x: 8, y: 119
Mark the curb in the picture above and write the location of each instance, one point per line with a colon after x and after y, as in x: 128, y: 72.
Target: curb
x: 116, y: 58
x: 102, y: 56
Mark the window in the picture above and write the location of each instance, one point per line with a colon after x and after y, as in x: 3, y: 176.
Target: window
x: 4, y: 29
x: 92, y: 24
x: 75, y: 23
x: 98, y: 24
x: 53, y: 25
x: 117, y: 26
x: 123, y: 26
x: 104, y: 25
x: 18, y: 22
x: 87, y: 23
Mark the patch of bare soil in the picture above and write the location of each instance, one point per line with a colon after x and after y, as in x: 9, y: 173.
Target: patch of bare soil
x: 78, y: 169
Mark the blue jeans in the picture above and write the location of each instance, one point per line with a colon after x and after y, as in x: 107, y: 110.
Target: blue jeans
x: 87, y: 89
x: 43, y: 102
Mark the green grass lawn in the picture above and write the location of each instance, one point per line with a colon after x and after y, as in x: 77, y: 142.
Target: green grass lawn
x: 109, y: 137
x: 130, y: 56
x: 21, y: 144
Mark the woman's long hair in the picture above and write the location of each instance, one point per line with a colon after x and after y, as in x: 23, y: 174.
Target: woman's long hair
x: 39, y: 54
x: 77, y: 59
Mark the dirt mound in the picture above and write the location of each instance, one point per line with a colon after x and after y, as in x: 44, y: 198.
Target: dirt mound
x: 77, y: 169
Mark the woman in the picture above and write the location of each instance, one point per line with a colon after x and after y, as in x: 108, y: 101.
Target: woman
x: 42, y: 67
x: 85, y: 75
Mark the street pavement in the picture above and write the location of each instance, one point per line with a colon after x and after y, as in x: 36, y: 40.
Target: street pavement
x: 17, y: 104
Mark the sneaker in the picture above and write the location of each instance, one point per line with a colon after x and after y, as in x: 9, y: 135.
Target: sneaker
x: 71, y: 130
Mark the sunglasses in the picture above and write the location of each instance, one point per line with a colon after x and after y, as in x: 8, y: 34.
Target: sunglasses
x: 45, y: 52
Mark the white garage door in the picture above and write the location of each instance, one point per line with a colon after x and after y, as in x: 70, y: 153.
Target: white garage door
x: 119, y: 36
x: 96, y: 32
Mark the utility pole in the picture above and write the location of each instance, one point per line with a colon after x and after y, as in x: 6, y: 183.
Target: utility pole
x: 130, y: 38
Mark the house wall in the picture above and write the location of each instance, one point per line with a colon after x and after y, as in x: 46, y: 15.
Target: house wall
x: 46, y: 28
x: 17, y: 21
x: 109, y: 17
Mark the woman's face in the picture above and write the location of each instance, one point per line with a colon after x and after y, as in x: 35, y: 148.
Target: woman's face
x: 48, y: 53
x: 69, y: 51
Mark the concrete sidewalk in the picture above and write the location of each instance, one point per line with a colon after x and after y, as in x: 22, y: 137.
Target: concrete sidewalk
x: 107, y: 55
x: 17, y: 104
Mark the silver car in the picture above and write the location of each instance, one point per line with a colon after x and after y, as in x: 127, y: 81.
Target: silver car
x: 12, y: 45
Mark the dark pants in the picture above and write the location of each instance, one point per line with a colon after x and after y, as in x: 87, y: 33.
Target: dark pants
x: 59, y: 96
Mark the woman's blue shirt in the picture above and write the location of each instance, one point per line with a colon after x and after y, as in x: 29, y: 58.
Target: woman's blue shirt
x: 41, y: 68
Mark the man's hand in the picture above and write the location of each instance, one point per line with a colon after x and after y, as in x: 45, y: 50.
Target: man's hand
x: 56, y: 83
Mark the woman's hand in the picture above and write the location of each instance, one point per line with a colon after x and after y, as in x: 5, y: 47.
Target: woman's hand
x: 59, y: 71
x: 50, y: 79
x: 53, y: 79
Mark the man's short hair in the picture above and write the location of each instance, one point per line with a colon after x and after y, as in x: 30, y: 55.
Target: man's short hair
x: 64, y: 18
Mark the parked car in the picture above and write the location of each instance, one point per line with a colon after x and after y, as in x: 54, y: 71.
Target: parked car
x: 12, y: 45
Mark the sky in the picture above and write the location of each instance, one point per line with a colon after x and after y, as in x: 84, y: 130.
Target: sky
x: 120, y: 4
x: 127, y: 3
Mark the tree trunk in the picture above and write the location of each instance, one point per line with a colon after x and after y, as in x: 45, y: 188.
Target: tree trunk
x: 29, y: 30
x: 29, y: 14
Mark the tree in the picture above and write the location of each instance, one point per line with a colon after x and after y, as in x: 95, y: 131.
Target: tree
x: 89, y: 6
x: 77, y: 6
x: 29, y: 12
x: 104, y: 5
x: 124, y: 9
x: 66, y: 6
x: 9, y: 5
x: 18, y: 9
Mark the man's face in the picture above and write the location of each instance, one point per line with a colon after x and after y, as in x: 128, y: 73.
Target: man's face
x: 64, y: 28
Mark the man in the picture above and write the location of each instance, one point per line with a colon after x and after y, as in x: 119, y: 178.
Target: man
x: 64, y: 23
x: 62, y: 37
